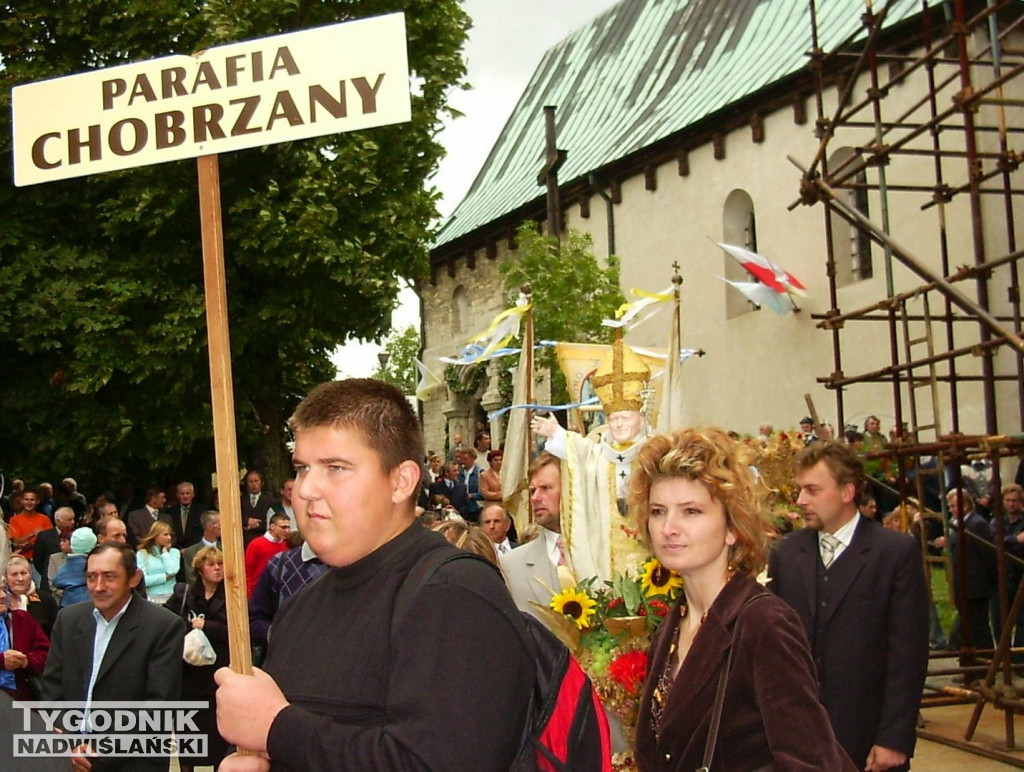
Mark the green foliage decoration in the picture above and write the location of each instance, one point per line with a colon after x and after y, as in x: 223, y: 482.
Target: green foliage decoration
x: 465, y: 380
x: 572, y: 293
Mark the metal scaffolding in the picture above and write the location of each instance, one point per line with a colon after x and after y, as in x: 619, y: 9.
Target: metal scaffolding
x: 934, y: 134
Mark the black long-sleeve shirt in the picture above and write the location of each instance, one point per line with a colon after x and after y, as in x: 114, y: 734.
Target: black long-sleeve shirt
x: 445, y: 687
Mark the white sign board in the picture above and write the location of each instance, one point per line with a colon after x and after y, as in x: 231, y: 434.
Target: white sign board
x: 328, y: 80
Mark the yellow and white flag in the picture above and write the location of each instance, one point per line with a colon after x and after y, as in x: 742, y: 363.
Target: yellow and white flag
x: 518, y: 441
x: 671, y: 412
x: 428, y: 382
x: 627, y: 312
x: 502, y: 329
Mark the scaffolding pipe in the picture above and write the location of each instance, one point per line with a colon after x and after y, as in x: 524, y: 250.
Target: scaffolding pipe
x: 875, y: 95
x: 940, y: 184
x: 830, y: 256
x: 1011, y: 231
x: 961, y: 105
x: 963, y: 273
x: 988, y: 174
x: 903, y: 255
x: 929, y: 56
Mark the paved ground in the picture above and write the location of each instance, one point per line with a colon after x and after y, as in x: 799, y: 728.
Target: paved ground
x: 951, y: 722
x: 941, y: 740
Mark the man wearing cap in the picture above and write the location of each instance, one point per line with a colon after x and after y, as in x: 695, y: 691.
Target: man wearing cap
x: 807, y: 429
x: 600, y: 534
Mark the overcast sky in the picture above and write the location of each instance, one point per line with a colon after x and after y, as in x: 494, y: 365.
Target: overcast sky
x: 505, y: 45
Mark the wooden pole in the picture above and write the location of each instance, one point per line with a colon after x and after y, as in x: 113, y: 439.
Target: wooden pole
x: 527, y: 361
x: 819, y: 427
x: 548, y: 177
x: 223, y: 402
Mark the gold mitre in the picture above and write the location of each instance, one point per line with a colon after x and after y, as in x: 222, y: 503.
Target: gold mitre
x: 621, y: 379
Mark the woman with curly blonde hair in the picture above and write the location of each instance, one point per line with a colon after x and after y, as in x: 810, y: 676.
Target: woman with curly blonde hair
x: 728, y: 650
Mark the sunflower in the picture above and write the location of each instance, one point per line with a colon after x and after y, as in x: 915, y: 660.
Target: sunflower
x: 658, y: 580
x: 578, y: 606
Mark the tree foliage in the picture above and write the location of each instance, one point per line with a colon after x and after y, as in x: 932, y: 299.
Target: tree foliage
x: 403, y: 349
x: 102, y: 320
x: 572, y: 292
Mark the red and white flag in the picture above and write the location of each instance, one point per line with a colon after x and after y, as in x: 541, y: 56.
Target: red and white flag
x: 765, y: 271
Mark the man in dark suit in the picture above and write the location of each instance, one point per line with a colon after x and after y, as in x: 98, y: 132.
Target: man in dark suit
x: 185, y: 517
x: 48, y: 543
x: 861, y: 595
x: 974, y: 589
x: 284, y: 506
x: 210, y: 537
x: 469, y: 473
x: 451, y: 486
x: 255, y: 506
x: 139, y: 652
x: 12, y: 720
x: 141, y: 520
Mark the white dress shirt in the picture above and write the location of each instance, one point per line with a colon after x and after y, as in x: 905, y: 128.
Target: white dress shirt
x: 844, y: 536
x: 101, y: 639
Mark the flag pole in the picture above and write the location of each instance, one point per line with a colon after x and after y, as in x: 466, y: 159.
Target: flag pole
x: 789, y: 293
x: 527, y: 291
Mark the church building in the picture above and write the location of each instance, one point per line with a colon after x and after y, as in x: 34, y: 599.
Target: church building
x: 681, y: 125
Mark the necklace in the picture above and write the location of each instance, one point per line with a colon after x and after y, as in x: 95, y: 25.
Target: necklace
x: 684, y: 611
x: 659, y: 696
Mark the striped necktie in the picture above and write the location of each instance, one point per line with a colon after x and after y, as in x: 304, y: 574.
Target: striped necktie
x: 828, y: 544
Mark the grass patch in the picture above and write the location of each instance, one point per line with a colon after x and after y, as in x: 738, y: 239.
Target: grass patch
x: 940, y: 594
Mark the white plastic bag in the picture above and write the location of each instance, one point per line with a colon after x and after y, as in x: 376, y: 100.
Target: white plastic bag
x: 198, y: 649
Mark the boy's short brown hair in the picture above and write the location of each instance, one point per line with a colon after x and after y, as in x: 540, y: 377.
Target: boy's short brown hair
x: 376, y: 410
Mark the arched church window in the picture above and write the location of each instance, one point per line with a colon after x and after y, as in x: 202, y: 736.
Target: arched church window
x: 739, y: 228
x: 460, y: 310
x: 850, y: 245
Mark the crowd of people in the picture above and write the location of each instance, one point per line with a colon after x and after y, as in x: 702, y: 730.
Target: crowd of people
x: 976, y: 512
x: 822, y: 668
x: 70, y: 563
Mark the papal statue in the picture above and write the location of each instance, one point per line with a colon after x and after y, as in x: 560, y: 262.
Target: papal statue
x: 600, y: 534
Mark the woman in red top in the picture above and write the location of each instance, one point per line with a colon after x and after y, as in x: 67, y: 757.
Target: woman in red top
x: 23, y: 648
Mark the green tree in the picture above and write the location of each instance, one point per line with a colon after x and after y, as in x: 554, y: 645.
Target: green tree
x: 403, y: 349
x: 102, y: 322
x: 572, y: 293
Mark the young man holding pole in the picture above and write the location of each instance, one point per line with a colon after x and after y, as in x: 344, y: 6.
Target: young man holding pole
x: 350, y: 682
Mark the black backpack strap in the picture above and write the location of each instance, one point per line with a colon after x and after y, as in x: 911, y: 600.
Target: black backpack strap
x: 419, y: 575
x: 423, y: 571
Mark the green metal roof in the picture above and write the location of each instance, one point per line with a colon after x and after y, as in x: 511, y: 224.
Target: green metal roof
x: 642, y: 71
